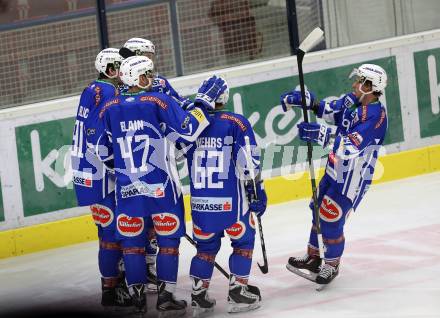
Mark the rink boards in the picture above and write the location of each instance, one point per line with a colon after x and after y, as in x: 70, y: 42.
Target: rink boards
x: 37, y: 203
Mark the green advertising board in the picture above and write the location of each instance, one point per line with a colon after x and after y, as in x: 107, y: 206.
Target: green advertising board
x: 42, y: 149
x: 45, y: 184
x: 427, y: 68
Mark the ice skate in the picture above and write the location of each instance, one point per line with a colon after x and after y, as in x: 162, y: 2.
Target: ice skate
x: 200, y: 301
x: 306, y: 266
x: 241, y: 297
x: 139, y: 298
x: 167, y: 305
x: 326, y: 274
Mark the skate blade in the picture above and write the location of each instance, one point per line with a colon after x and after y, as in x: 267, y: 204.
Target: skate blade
x: 171, y: 313
x: 201, y: 312
x: 237, y: 308
x: 307, y: 275
x: 321, y: 287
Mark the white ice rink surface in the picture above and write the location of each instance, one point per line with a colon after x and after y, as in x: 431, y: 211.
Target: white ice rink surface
x: 390, y: 266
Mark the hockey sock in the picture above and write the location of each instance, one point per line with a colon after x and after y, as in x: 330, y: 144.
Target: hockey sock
x: 167, y: 261
x: 135, y: 265
x: 108, y: 258
x: 202, y: 266
x: 240, y: 262
x: 334, y: 249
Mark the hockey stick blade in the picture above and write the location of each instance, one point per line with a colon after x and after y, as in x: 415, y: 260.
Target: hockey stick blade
x: 311, y: 40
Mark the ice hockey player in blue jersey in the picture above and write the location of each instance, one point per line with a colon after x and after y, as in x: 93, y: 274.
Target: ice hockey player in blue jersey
x: 140, y: 46
x: 143, y: 47
x: 93, y: 182
x: 140, y: 128
x: 361, y: 124
x: 221, y: 167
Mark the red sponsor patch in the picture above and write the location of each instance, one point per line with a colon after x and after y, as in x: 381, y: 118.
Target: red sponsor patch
x: 251, y: 221
x: 199, y: 234
x: 130, y: 226
x: 329, y: 210
x: 159, y: 193
x: 381, y: 120
x: 332, y: 157
x: 165, y: 223
x: 356, y: 138
x: 235, y: 120
x: 227, y: 206
x: 102, y: 215
x: 237, y: 230
x: 155, y: 100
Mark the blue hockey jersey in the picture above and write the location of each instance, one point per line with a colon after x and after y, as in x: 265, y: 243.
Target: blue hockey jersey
x: 140, y: 131
x: 359, y: 135
x: 91, y: 180
x: 218, y: 164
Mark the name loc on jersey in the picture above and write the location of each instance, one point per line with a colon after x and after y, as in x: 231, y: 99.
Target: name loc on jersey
x: 83, y: 112
x: 132, y: 125
x: 210, y: 142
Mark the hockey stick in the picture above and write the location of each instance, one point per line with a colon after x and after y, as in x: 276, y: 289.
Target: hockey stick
x: 309, y: 42
x: 265, y: 267
x: 191, y: 241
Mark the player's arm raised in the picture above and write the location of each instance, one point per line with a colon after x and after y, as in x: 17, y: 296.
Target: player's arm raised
x: 186, y: 126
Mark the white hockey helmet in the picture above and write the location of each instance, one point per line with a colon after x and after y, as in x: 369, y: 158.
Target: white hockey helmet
x: 224, y: 97
x: 140, y: 46
x: 106, y: 57
x: 373, y: 73
x: 133, y: 67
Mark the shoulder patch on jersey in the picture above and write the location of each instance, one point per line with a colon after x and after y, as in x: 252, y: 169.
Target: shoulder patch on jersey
x: 130, y: 226
x: 165, y: 223
x: 329, y: 210
x: 102, y: 215
x: 381, y: 119
x: 155, y: 100
x: 234, y: 119
x: 198, y: 114
x: 236, y: 231
x: 107, y: 105
x: 200, y: 235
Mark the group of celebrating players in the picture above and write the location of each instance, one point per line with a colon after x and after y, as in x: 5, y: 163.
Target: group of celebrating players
x: 132, y: 128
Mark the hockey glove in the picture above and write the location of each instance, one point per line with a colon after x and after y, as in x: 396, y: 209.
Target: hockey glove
x: 314, y: 132
x: 257, y: 204
x: 210, y: 90
x: 293, y: 99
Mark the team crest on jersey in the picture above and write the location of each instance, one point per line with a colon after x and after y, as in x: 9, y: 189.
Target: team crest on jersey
x: 165, y: 223
x: 83, y: 179
x: 102, y: 215
x: 130, y: 226
x: 211, y: 204
x: 329, y: 210
x: 199, y: 234
x: 237, y: 230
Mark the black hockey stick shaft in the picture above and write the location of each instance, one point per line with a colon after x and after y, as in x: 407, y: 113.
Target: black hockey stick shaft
x: 191, y: 241
x: 265, y: 267
x: 299, y: 58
